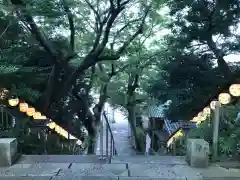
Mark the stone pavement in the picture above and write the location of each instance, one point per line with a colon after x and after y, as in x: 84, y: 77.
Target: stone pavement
x: 120, y: 131
x: 121, y: 168
x: 121, y: 136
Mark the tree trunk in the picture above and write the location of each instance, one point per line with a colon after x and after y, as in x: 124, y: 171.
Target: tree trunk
x: 93, y: 138
x: 95, y: 124
x: 45, y: 99
x: 132, y: 122
x: 131, y: 108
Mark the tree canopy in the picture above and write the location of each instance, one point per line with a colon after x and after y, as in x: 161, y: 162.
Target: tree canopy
x: 57, y: 54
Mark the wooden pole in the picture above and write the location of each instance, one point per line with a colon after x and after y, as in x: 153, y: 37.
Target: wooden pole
x: 216, y: 120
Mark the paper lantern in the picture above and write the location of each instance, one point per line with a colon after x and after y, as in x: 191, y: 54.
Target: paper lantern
x: 23, y: 107
x: 207, y: 110
x: 200, y: 114
x: 57, y: 128
x: 224, y: 98
x: 79, y: 142
x: 37, y: 115
x: 3, y: 93
x: 30, y: 111
x: 213, y: 104
x: 51, y: 125
x: 43, y: 117
x: 196, y: 119
x: 13, y: 101
x: 234, y: 90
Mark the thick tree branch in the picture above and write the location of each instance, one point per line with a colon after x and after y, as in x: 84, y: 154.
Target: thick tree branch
x: 71, y: 25
x: 93, y: 57
x: 113, y: 16
x: 126, y: 43
x: 40, y: 37
x: 91, y: 78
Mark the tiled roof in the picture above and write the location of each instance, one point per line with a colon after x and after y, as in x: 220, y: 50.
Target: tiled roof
x: 155, y: 111
x: 171, y: 127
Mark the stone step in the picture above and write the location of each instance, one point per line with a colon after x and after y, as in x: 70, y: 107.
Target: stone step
x: 31, y: 159
x: 64, y: 169
x: 111, y: 178
x: 164, y: 171
x: 142, y: 159
x: 100, y: 178
x: 27, y: 178
x: 91, y: 169
x: 40, y: 169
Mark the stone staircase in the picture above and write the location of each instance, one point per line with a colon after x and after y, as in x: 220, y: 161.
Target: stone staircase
x: 83, y: 167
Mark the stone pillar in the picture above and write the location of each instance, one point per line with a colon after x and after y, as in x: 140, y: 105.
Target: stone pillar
x: 8, y: 151
x: 197, y: 153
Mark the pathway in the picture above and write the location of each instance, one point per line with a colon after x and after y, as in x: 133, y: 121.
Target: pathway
x: 67, y: 167
x: 121, y: 136
x: 120, y: 131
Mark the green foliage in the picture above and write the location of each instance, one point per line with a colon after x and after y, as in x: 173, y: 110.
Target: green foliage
x: 203, y: 131
x: 229, y: 133
x: 200, y: 34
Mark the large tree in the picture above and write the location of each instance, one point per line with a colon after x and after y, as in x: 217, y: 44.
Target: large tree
x: 201, y: 32
x: 208, y: 26
x: 74, y: 38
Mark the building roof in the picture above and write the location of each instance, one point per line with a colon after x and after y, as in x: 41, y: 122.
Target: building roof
x: 172, y: 127
x: 155, y: 111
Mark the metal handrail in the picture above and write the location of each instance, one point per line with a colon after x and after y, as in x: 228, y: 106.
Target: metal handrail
x: 109, y: 134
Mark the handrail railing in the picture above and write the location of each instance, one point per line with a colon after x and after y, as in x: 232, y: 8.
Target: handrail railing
x: 110, y: 146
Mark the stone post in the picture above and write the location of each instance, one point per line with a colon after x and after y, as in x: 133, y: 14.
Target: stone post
x: 8, y: 151
x: 216, y: 119
x: 197, y: 153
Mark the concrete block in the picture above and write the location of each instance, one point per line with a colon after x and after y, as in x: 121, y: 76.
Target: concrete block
x: 197, y: 153
x: 8, y: 151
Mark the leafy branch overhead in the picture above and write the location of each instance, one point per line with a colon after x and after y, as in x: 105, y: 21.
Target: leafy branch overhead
x: 109, y: 28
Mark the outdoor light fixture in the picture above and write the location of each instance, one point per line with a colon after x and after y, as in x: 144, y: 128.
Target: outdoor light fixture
x: 234, y: 90
x: 196, y: 119
x: 61, y: 131
x: 3, y: 93
x: 23, y: 107
x: 43, y: 117
x: 51, y: 125
x: 207, y: 111
x: 37, y: 116
x: 224, y: 98
x: 200, y: 114
x: 213, y: 105
x: 30, y: 111
x: 13, y: 101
